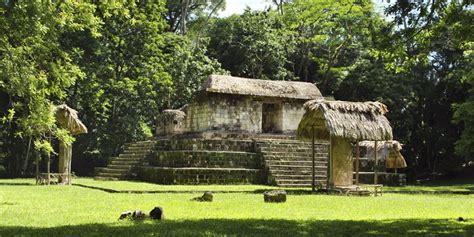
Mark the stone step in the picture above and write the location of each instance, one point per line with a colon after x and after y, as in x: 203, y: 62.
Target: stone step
x: 196, y: 144
x: 295, y: 158
x: 195, y: 175
x: 137, y: 150
x: 273, y: 163
x: 109, y: 170
x: 281, y: 177
x: 111, y: 175
x: 203, y: 159
x: 131, y: 155
x: 302, y: 167
x: 294, y: 154
x: 299, y: 181
x: 293, y: 149
x: 300, y: 172
x: 125, y: 162
x: 120, y: 166
x: 303, y: 185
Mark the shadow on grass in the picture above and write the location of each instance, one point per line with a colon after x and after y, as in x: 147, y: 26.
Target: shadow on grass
x: 257, y: 227
x: 15, y: 184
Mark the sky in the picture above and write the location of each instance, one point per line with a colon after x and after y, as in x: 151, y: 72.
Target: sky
x: 238, y: 6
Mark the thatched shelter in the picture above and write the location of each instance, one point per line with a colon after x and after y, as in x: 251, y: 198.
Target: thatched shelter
x: 388, y: 150
x: 343, y: 122
x: 67, y: 118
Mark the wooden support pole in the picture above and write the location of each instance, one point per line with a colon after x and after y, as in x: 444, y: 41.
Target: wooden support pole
x: 48, y: 169
x: 313, y: 184
x: 376, y: 168
x: 37, y: 168
x: 69, y: 164
x: 357, y: 162
x: 331, y: 159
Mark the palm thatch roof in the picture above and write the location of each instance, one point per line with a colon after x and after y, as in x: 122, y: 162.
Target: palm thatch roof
x: 352, y: 120
x: 390, y: 144
x: 257, y: 87
x: 68, y: 119
x: 172, y: 114
x: 394, y: 158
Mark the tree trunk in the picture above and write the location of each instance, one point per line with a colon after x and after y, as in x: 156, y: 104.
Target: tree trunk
x: 65, y: 155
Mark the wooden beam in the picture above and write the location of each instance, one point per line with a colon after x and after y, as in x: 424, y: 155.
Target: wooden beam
x: 376, y: 170
x: 357, y: 162
x: 331, y: 168
x: 37, y: 168
x: 49, y: 170
x: 313, y: 184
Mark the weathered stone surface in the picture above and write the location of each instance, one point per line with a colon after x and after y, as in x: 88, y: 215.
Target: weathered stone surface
x: 274, y: 196
x: 206, y: 197
x: 166, y: 175
x: 157, y: 213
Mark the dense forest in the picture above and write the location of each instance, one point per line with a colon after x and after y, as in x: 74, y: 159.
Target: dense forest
x: 120, y: 63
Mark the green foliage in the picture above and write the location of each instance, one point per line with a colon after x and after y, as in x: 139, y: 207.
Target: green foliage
x: 189, y: 67
x: 252, y: 45
x: 36, y: 68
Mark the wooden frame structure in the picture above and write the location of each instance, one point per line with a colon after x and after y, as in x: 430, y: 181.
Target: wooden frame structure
x: 343, y: 121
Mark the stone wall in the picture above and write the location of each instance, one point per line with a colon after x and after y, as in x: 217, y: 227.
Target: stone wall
x: 292, y: 114
x: 238, y: 113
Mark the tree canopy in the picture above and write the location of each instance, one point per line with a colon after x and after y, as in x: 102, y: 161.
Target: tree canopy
x: 119, y: 64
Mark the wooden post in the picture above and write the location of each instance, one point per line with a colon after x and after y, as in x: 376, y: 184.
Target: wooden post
x: 376, y: 170
x: 357, y: 162
x: 331, y: 159
x: 69, y: 150
x: 37, y: 168
x: 313, y: 184
x: 48, y: 169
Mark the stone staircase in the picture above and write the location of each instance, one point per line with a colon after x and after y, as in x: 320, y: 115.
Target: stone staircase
x: 202, y: 161
x: 121, y: 167
x: 289, y: 162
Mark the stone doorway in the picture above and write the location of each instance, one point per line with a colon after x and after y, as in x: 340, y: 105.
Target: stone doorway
x: 271, y: 118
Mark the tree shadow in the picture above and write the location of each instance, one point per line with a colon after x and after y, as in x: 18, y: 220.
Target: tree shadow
x: 256, y: 227
x: 15, y: 184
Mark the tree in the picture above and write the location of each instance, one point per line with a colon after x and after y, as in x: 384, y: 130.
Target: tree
x: 252, y: 45
x: 180, y: 12
x: 36, y: 69
x: 125, y: 83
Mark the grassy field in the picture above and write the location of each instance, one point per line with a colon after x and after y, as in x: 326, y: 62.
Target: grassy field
x: 29, y: 210
x: 439, y: 186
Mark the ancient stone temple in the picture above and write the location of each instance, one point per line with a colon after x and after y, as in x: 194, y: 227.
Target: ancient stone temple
x: 236, y: 130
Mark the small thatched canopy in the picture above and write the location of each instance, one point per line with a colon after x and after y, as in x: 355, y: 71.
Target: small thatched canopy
x: 393, y: 156
x: 171, y: 114
x: 68, y: 119
x: 352, y: 120
x: 258, y: 87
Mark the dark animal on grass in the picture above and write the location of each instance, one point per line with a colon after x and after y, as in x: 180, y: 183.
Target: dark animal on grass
x: 206, y: 197
x: 133, y: 215
x: 157, y: 213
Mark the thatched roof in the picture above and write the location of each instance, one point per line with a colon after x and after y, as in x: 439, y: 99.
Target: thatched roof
x: 257, y: 87
x: 68, y: 119
x: 353, y: 120
x: 171, y: 114
x: 394, y: 157
x: 390, y: 144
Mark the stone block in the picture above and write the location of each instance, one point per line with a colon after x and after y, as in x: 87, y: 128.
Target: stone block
x: 274, y: 196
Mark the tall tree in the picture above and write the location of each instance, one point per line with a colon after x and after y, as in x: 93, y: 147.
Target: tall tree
x: 180, y: 12
x: 125, y: 82
x: 36, y: 68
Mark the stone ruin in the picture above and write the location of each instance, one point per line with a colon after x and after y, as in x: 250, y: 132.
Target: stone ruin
x: 235, y: 131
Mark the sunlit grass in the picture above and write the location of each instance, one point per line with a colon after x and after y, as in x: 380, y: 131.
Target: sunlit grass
x: 46, y: 210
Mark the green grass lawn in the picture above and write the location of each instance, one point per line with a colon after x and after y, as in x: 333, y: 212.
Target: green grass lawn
x: 30, y: 210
